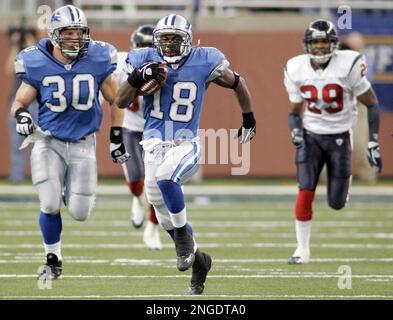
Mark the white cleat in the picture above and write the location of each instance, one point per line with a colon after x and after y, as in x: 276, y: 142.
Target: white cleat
x: 138, y: 210
x: 300, y: 256
x: 151, y: 236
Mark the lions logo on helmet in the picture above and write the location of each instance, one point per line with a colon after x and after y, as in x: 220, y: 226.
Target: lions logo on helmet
x: 175, y: 49
x: 320, y: 29
x: 142, y: 37
x: 69, y: 17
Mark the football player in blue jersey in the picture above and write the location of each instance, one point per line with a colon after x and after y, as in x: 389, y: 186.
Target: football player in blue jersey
x: 65, y: 73
x: 172, y: 148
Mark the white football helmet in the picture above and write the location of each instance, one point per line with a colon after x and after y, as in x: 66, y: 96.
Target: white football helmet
x: 69, y: 17
x: 173, y: 25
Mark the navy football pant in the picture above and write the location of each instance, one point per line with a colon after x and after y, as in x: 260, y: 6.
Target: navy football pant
x: 334, y: 150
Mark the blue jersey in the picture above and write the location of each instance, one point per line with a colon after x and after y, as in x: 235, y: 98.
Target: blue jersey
x: 173, y: 112
x: 68, y: 95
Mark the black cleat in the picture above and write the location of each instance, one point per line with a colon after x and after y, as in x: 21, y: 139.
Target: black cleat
x: 184, y: 243
x: 52, y: 269
x: 202, y: 265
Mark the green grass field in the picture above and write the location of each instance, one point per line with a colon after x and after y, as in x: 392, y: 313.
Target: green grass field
x: 250, y: 241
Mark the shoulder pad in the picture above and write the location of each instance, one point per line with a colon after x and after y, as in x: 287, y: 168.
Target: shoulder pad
x: 295, y: 64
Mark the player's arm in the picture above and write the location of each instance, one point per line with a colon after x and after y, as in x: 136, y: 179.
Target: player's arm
x: 25, y: 95
x: 118, y: 151
x: 138, y: 76
x: 295, y: 123
x: 370, y: 100
x: 125, y: 95
x: 232, y: 80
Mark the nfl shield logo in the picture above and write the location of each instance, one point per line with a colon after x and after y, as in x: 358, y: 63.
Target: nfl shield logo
x: 68, y: 67
x: 339, y: 142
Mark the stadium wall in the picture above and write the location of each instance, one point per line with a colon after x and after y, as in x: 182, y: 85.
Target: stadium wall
x: 259, y: 58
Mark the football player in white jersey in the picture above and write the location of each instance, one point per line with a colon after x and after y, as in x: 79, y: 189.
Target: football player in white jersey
x: 324, y: 84
x: 134, y: 170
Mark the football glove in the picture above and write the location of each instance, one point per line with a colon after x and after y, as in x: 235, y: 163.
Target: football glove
x: 148, y: 71
x: 248, y: 129
x: 297, y: 137
x: 374, y: 156
x: 117, y: 149
x: 119, y: 153
x: 24, y: 122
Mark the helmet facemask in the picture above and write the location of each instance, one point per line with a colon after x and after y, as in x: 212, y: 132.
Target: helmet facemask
x: 71, y: 48
x: 321, y: 59
x: 175, y: 49
x: 320, y: 29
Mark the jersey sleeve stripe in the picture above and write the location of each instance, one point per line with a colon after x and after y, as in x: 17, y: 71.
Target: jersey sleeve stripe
x: 218, y: 70
x: 354, y: 62
x: 19, y: 67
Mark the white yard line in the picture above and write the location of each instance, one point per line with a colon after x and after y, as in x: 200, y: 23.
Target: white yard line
x: 214, y: 190
x: 221, y: 224
x: 201, y: 235
x: 223, y: 276
x: 204, y: 245
x: 227, y: 296
x: 38, y: 258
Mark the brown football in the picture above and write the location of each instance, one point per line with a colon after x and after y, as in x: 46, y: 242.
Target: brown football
x: 152, y: 86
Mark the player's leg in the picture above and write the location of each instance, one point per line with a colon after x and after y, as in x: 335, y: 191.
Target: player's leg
x: 151, y: 234
x: 309, y: 163
x: 339, y: 169
x: 179, y: 163
x: 154, y: 195
x: 134, y: 173
x: 81, y: 178
x: 182, y: 161
x: 48, y: 171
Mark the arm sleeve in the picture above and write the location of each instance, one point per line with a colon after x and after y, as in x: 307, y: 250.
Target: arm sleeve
x: 357, y: 76
x: 22, y: 71
x: 218, y: 63
x: 128, y: 66
x: 112, y: 61
x: 119, y: 73
x: 292, y: 89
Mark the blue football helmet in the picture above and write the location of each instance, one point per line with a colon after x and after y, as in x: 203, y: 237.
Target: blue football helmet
x: 320, y: 29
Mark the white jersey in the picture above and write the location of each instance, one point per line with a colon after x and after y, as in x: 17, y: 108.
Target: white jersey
x: 133, y: 115
x: 330, y: 93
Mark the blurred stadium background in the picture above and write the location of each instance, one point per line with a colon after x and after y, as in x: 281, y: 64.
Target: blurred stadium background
x: 246, y: 224
x: 258, y: 37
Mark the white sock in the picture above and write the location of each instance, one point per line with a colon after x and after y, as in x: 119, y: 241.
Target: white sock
x: 303, y: 231
x: 179, y: 219
x: 54, y: 248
